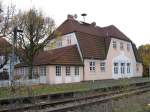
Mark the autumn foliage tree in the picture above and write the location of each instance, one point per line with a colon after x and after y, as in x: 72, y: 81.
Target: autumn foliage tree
x: 144, y: 51
x: 37, y: 31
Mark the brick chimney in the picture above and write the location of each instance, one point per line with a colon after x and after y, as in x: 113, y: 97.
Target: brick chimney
x: 71, y: 17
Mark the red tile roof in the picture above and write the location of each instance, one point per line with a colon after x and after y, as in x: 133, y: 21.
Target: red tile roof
x: 5, y: 46
x: 94, y: 41
x: 63, y: 56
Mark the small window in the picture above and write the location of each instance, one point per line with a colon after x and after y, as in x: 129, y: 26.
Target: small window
x: 122, y: 68
x: 92, y: 66
x: 121, y: 46
x: 114, y: 44
x: 59, y: 44
x: 58, y: 70
x: 76, y: 70
x: 102, y: 66
x: 67, y: 70
x: 69, y: 41
x: 22, y: 71
x: 42, y: 70
x: 115, y: 68
x: 128, y: 47
x: 137, y: 67
x: 128, y: 67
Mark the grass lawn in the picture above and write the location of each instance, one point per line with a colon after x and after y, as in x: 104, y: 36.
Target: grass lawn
x: 5, y: 92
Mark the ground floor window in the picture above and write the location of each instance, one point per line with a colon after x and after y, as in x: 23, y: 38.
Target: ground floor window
x: 76, y: 70
x: 128, y: 67
x: 22, y: 71
x: 67, y: 70
x: 102, y: 66
x: 58, y: 70
x: 92, y: 66
x: 115, y: 68
x: 122, y: 68
x: 42, y: 70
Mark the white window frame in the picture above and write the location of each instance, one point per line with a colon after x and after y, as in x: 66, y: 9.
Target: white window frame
x: 122, y: 68
x: 121, y: 45
x: 43, y: 70
x: 116, y: 68
x: 76, y: 71
x: 102, y: 66
x: 68, y: 71
x: 58, y: 70
x: 68, y: 40
x: 114, y: 44
x: 59, y: 43
x: 128, y: 47
x: 22, y: 71
x: 128, y: 68
x: 92, y: 67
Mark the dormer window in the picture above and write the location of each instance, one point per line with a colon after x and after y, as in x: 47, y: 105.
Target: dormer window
x: 121, y: 46
x: 59, y: 44
x: 114, y: 44
x: 128, y: 47
x: 68, y: 41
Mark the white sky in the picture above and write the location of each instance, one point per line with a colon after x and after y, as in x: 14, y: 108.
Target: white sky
x: 132, y: 17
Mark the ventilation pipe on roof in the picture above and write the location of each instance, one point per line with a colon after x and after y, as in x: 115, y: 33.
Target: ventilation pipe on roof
x: 93, y: 24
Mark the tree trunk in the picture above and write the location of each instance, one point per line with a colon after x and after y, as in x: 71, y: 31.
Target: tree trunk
x: 30, y: 71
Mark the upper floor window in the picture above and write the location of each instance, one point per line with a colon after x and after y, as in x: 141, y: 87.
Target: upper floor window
x: 42, y: 70
x: 128, y: 47
x: 102, y: 66
x: 67, y: 70
x: 137, y: 67
x: 114, y: 44
x: 76, y: 70
x: 58, y: 70
x: 115, y: 68
x: 121, y: 46
x: 68, y: 41
x: 128, y: 67
x: 59, y: 44
x: 92, y: 66
x: 122, y: 68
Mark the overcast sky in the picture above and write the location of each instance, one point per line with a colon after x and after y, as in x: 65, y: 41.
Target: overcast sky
x: 132, y: 17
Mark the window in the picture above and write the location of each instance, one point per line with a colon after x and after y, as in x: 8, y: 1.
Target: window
x: 69, y: 41
x: 22, y: 71
x: 67, y: 70
x: 102, y: 66
x: 76, y: 70
x: 128, y: 47
x: 42, y: 70
x: 121, y: 46
x: 92, y: 66
x: 59, y: 44
x: 114, y: 44
x: 122, y: 68
x: 35, y: 72
x: 115, y: 68
x: 137, y: 67
x: 128, y: 67
x: 58, y: 70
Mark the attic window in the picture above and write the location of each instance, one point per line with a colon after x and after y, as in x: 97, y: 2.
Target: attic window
x: 69, y: 41
x: 128, y: 47
x: 121, y: 46
x: 114, y: 44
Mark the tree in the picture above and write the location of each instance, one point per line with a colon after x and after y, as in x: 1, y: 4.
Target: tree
x: 37, y: 31
x: 144, y: 51
x: 5, y: 30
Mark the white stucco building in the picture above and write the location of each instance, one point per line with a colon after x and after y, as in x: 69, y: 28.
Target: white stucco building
x: 86, y: 52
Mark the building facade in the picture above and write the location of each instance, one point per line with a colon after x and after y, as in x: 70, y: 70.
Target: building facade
x: 86, y: 52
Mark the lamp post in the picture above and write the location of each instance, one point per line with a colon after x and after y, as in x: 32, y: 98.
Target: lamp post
x: 15, y: 31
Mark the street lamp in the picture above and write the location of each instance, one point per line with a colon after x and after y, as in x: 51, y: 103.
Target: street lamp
x: 15, y: 31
